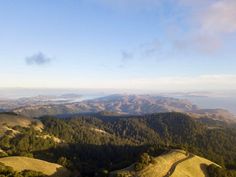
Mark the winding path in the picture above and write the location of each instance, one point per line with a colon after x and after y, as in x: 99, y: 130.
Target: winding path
x: 172, y: 169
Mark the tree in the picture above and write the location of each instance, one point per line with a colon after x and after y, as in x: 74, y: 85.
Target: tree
x: 143, y: 161
x: 63, y: 161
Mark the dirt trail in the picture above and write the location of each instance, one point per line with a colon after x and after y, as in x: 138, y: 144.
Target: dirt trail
x: 172, y: 169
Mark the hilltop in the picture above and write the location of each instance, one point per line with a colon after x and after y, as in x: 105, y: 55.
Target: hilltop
x: 10, y: 120
x: 25, y: 163
x: 105, y: 142
x: 176, y: 163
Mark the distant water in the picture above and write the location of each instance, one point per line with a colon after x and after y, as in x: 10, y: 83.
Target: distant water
x: 227, y: 100
x: 228, y: 103
x: 19, y: 93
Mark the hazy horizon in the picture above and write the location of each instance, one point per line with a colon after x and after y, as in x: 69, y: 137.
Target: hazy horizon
x: 203, y: 99
x: 182, y: 48
x: 144, y: 45
x: 108, y: 88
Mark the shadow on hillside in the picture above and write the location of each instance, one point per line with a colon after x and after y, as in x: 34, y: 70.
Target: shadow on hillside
x: 91, y: 159
x: 204, y: 169
x: 61, y: 172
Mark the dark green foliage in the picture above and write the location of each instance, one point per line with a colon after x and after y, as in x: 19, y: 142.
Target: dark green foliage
x: 143, y: 161
x: 94, y: 143
x: 64, y: 162
x: 5, y: 170
x: 25, y: 142
x: 5, y: 142
x: 215, y: 171
x: 127, y: 137
x: 30, y: 173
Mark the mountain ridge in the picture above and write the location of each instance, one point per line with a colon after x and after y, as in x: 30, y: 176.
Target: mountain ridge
x: 125, y: 104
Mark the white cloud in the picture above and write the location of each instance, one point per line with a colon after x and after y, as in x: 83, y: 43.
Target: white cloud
x: 219, y: 17
x: 172, y: 83
x: 203, y: 82
x: 209, y: 22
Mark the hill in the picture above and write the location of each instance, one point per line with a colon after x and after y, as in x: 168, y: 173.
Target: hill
x: 176, y: 163
x: 127, y: 105
x: 10, y: 120
x: 24, y: 163
x: 115, y: 142
x: 104, y: 142
x: 12, y: 103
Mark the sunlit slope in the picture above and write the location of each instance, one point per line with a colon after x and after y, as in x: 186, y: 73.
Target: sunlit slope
x: 194, y: 166
x: 176, y: 163
x: 9, y: 120
x: 24, y: 163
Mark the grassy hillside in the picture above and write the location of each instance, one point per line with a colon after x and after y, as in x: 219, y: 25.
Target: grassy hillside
x: 24, y: 163
x: 195, y: 166
x: 114, y: 143
x: 9, y: 120
x: 176, y: 163
x: 102, y: 144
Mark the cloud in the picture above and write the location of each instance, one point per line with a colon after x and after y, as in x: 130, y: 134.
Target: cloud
x: 126, y: 55
x: 155, y: 83
x: 175, y: 83
x: 209, y: 23
x: 203, y: 24
x: 150, y: 49
x: 199, y: 43
x: 219, y: 17
x: 146, y: 50
x: 38, y: 59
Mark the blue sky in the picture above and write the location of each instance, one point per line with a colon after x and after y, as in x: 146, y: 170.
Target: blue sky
x: 125, y: 44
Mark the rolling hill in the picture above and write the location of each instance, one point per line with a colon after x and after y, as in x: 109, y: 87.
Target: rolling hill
x: 101, y: 143
x: 25, y: 163
x: 176, y: 163
x: 10, y: 120
x: 127, y: 105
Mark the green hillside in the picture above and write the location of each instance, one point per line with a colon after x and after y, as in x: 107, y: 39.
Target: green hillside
x: 176, y: 163
x: 98, y: 144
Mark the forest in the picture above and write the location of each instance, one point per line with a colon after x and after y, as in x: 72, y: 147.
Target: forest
x: 94, y: 145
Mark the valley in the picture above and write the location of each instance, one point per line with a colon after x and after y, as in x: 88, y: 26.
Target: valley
x: 118, y: 88
x: 127, y: 105
x: 102, y: 143
x: 175, y: 163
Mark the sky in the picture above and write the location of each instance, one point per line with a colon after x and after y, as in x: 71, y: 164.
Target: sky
x: 118, y: 44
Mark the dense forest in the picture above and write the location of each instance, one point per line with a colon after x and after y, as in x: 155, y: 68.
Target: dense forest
x: 94, y: 145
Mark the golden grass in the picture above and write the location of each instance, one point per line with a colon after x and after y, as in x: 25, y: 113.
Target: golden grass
x: 177, y: 162
x: 158, y: 169
x: 162, y: 164
x: 24, y: 163
x: 8, y: 120
x: 194, y: 167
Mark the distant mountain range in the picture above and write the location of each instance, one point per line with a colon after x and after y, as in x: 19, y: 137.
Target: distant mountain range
x: 9, y: 104
x: 127, y: 105
x: 106, y: 142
